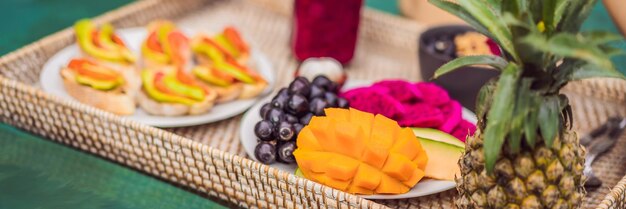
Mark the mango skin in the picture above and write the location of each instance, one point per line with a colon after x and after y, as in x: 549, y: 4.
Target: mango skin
x: 446, y: 148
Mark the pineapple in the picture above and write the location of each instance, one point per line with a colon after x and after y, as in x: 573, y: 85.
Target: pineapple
x: 524, y: 154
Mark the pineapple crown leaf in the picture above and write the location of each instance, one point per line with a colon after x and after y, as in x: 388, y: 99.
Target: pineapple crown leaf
x: 496, y: 62
x: 600, y: 37
x: 548, y: 116
x: 543, y: 50
x: 487, y: 13
x: 501, y: 110
x: 570, y: 46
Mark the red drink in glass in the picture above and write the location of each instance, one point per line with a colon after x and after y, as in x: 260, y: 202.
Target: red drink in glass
x: 326, y: 28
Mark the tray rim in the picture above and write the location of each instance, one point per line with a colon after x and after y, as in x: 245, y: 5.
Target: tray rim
x: 18, y: 87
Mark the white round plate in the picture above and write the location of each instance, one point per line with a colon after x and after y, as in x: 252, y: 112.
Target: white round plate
x: 424, y: 187
x: 52, y: 82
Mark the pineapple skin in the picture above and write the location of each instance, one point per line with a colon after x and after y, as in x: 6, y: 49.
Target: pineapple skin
x: 536, y: 177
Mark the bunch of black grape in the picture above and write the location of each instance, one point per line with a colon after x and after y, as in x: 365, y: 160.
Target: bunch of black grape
x: 288, y: 112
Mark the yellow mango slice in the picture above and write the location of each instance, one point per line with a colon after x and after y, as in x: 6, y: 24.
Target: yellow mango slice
x: 390, y: 185
x: 360, y: 153
x: 363, y: 119
x: 338, y: 114
x: 307, y: 140
x: 366, y: 177
x: 342, y: 168
x: 399, y: 167
x: 418, y: 174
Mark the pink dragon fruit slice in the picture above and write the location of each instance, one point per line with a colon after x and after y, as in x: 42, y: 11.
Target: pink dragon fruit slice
x: 422, y: 115
x: 463, y: 130
x: 452, y: 112
x: 401, y: 90
x: 374, y: 100
x: 432, y: 93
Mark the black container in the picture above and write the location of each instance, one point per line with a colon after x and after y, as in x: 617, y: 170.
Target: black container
x: 462, y: 84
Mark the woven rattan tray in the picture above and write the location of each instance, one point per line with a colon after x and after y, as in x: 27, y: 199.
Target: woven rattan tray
x: 209, y: 158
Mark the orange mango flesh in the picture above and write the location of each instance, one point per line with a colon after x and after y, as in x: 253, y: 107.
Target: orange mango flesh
x: 360, y: 153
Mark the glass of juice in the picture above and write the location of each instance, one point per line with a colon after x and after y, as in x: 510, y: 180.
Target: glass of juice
x: 326, y: 28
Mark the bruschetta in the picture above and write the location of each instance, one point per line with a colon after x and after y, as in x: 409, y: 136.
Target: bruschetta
x: 99, y: 85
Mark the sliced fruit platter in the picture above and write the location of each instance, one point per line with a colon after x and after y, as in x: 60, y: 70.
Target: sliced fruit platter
x: 160, y: 75
x: 392, y: 139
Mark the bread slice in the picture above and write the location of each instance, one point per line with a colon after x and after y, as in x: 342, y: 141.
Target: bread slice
x: 253, y: 90
x: 154, y: 107
x: 129, y: 71
x: 149, y: 64
x: 229, y: 93
x: 120, y: 100
x: 237, y: 90
x: 224, y: 93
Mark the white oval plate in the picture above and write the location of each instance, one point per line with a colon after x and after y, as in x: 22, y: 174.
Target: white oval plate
x: 52, y: 82
x: 424, y: 187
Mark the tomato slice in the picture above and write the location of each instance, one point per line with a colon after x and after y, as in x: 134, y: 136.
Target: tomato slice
x: 222, y: 75
x: 219, y: 48
x: 92, y: 70
x: 160, y: 85
x: 234, y: 37
x: 153, y: 43
x: 178, y: 42
x: 184, y: 78
x: 244, y: 69
x: 98, y: 72
x: 94, y: 38
x: 76, y: 64
x: 116, y: 39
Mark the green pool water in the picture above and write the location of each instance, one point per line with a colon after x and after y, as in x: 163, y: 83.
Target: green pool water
x: 37, y: 173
